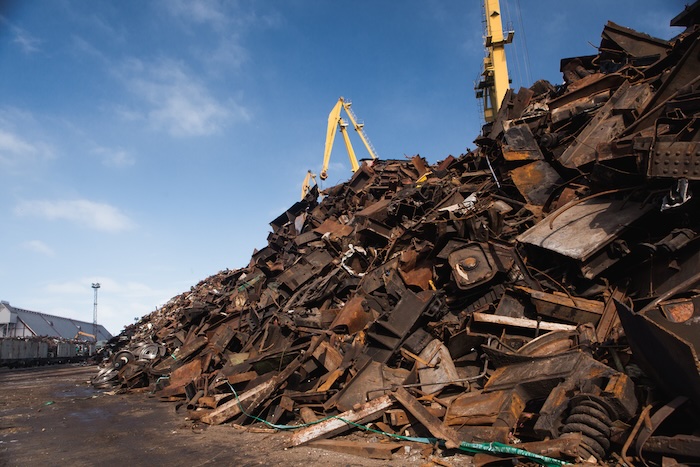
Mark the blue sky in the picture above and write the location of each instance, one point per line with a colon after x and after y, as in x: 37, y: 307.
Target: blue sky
x: 147, y: 145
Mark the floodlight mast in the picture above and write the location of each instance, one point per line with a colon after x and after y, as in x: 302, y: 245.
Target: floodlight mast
x: 95, y: 286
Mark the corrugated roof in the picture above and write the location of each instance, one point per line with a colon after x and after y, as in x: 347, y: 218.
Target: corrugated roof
x: 42, y: 324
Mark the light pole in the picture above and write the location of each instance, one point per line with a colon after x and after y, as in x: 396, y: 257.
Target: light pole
x: 95, y: 286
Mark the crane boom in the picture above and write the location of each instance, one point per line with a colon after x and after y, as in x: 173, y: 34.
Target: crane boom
x: 494, y: 79
x: 306, y: 184
x: 335, y: 121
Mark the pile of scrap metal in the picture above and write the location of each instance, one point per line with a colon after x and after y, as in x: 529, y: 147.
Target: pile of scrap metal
x: 535, y: 298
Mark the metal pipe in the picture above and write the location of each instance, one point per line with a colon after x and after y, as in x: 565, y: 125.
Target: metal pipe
x: 686, y: 283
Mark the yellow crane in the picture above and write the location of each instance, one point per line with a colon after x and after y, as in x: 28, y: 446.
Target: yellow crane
x: 494, y: 78
x: 335, y: 121
x: 306, y: 184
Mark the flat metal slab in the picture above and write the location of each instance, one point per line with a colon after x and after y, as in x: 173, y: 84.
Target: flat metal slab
x: 581, y: 230
x: 536, y: 181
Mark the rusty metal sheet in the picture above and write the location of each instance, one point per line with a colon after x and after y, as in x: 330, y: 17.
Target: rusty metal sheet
x: 631, y: 103
x: 369, y: 376
x: 680, y: 310
x: 546, y: 373
x: 604, y: 126
x: 513, y: 106
x: 420, y: 165
x: 419, y: 277
x: 520, y: 144
x: 328, y: 356
x: 361, y: 178
x: 684, y: 73
x: 306, y: 237
x: 289, y: 216
x: 334, y: 227
x: 536, y: 181
x: 377, y: 211
x: 565, y: 308
x: 354, y: 316
x: 387, y: 333
x: 302, y: 272
x: 180, y: 377
x: 500, y: 408
x: 435, y: 368
x: 667, y: 350
x: 581, y: 230
x: 631, y: 43
x: 675, y: 160
x: 222, y: 337
x: 593, y: 85
x: 374, y: 229
x: 432, y: 423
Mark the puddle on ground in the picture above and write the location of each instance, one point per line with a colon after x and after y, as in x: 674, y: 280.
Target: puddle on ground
x: 77, y: 391
x: 87, y: 415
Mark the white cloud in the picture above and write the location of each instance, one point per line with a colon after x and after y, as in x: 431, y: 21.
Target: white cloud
x: 207, y: 12
x: 22, y: 145
x: 177, y: 102
x: 117, y: 158
x: 84, y: 48
x: 229, y: 52
x: 98, y: 216
x: 37, y: 246
x: 13, y: 144
x: 28, y: 43
x: 228, y: 22
x: 16, y: 150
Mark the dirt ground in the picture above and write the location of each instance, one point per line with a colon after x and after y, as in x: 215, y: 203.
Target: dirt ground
x: 52, y: 416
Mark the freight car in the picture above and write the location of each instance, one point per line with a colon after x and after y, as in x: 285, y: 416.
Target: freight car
x: 32, y: 351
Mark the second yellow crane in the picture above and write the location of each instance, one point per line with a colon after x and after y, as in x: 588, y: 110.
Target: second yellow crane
x: 336, y: 121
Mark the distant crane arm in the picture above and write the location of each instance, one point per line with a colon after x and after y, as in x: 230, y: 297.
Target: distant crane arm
x: 359, y: 128
x: 335, y: 121
x: 306, y: 184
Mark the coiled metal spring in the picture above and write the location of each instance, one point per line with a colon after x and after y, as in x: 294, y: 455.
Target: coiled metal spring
x: 592, y: 420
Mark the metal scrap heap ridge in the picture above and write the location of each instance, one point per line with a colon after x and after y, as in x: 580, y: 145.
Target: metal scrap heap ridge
x: 540, y: 291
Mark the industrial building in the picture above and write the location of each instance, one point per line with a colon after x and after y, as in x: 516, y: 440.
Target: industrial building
x: 18, y: 322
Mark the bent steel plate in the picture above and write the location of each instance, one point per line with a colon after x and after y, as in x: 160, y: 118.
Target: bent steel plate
x: 579, y: 231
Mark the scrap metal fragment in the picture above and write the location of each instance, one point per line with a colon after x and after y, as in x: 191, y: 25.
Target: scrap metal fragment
x: 435, y: 368
x: 582, y: 230
x: 667, y: 350
x: 520, y: 144
x: 565, y: 307
x: 366, y: 412
x: 428, y: 420
x: 536, y: 181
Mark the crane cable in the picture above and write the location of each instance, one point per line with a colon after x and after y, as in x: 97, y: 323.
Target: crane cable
x: 524, y: 77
